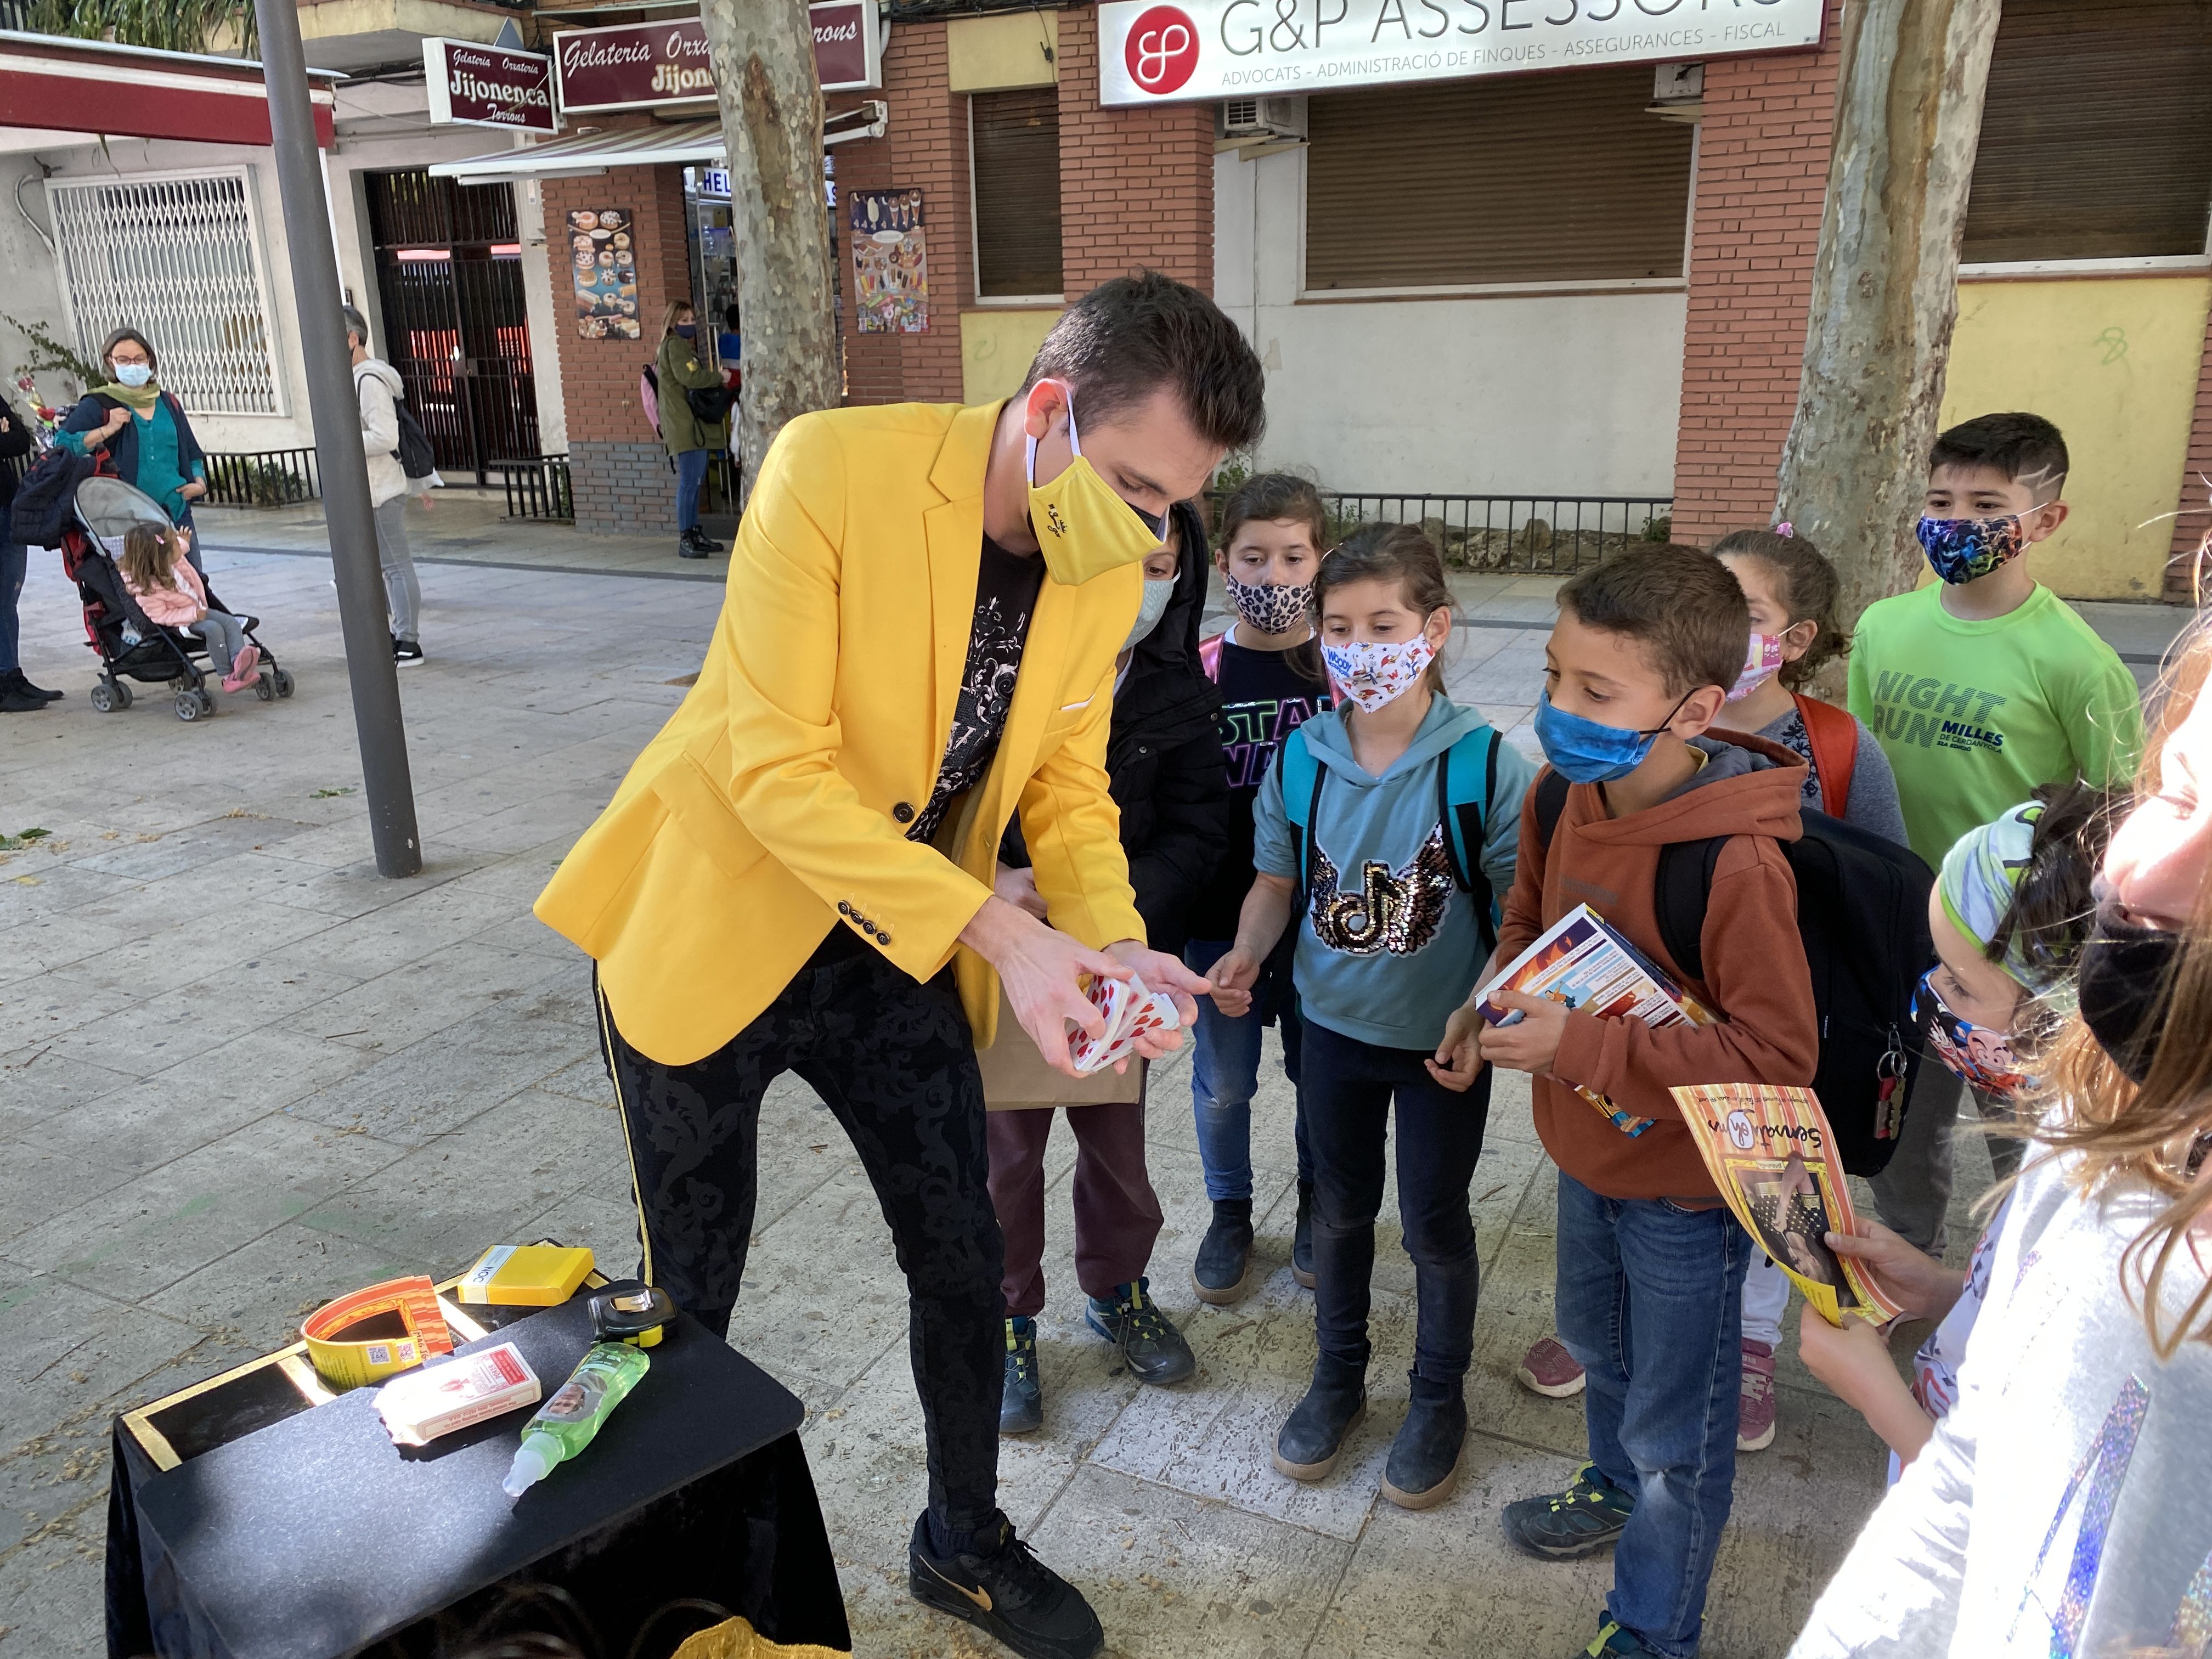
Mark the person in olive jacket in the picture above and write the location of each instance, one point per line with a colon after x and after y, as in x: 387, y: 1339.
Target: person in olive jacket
x: 682, y: 366
x: 1165, y: 770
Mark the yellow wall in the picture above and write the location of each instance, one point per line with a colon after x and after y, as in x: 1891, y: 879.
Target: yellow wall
x: 2114, y: 362
x: 996, y: 347
x: 1007, y: 49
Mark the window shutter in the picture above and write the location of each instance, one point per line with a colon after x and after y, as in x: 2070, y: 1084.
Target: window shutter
x: 2097, y: 132
x: 1014, y: 150
x: 1525, y: 179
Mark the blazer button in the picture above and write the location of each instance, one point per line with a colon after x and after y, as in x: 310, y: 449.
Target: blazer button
x: 884, y: 939
x: 902, y: 812
x: 869, y: 928
x: 843, y: 908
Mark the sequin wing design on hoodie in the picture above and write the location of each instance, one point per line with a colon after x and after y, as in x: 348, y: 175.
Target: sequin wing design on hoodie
x: 1393, y: 910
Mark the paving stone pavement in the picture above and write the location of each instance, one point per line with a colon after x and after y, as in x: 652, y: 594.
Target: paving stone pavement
x: 240, y: 1073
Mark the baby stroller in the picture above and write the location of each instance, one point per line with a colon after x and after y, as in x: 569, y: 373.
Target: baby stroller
x: 131, y: 647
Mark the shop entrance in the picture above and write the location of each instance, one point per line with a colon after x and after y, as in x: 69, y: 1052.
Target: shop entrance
x: 449, y: 273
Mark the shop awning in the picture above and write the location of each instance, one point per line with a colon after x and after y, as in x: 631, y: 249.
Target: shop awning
x: 132, y: 92
x: 579, y: 155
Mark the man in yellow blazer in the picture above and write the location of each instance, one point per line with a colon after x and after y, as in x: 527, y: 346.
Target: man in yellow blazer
x: 924, y: 608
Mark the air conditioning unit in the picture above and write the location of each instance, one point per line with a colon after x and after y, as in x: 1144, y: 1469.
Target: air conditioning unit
x: 1238, y: 122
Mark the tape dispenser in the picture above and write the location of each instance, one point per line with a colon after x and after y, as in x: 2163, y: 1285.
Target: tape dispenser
x: 630, y: 1310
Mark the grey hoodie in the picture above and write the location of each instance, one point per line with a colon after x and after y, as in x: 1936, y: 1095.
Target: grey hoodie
x: 1380, y: 846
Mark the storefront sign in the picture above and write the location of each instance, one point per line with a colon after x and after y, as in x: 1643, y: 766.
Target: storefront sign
x: 640, y: 65
x: 1156, y: 50
x: 603, y: 266
x: 891, y: 262
x: 478, y: 86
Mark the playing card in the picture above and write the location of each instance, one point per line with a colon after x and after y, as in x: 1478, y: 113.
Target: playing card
x: 1132, y: 1010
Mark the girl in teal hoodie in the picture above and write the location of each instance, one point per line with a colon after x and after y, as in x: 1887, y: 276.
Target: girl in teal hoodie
x: 1386, y: 828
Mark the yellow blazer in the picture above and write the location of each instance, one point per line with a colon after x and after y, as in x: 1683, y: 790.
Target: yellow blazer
x: 774, y: 804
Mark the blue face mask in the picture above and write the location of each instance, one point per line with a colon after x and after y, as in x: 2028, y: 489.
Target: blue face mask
x: 133, y: 373
x: 1582, y: 752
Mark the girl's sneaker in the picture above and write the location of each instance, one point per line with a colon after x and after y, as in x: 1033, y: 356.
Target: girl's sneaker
x: 1549, y: 1369
x: 1754, y: 1413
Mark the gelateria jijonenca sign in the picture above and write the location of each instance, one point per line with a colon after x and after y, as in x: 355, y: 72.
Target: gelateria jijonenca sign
x: 1156, y: 50
x: 639, y: 66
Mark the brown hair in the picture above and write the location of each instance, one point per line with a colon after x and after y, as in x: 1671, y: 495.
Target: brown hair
x: 676, y: 308
x: 1681, y: 604
x: 1400, y: 553
x: 1130, y: 338
x: 1808, y: 588
x: 2121, y: 1131
x: 107, y: 345
x: 1266, y: 496
x: 149, y: 554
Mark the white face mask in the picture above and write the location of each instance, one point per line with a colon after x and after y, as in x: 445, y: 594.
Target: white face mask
x: 1377, y: 673
x: 1150, y: 609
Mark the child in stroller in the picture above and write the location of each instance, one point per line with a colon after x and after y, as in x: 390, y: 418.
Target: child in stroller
x: 149, y: 613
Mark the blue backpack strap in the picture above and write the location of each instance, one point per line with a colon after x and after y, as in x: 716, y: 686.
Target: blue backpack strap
x: 1465, y: 784
x: 1301, y: 776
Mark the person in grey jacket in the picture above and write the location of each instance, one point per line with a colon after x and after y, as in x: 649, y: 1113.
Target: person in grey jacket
x: 378, y: 387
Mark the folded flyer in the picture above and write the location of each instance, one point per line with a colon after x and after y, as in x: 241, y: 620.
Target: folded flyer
x: 1768, y: 1149
x: 1581, y: 960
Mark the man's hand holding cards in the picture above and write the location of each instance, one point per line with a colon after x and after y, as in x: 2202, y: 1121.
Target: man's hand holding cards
x: 1131, y: 1011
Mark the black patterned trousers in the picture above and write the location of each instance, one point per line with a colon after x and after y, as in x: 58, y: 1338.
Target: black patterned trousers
x: 895, y: 1063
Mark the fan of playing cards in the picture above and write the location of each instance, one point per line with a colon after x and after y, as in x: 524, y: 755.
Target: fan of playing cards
x: 1132, y: 1009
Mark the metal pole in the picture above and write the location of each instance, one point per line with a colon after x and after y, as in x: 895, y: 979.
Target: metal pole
x: 336, y: 414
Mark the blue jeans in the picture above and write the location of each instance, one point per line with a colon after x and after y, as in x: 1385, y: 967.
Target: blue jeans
x: 14, y: 559
x: 691, y: 473
x: 1224, y: 1074
x: 1649, y: 1302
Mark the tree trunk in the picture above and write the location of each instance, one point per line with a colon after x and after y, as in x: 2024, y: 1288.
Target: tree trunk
x: 762, y: 57
x: 1885, y: 286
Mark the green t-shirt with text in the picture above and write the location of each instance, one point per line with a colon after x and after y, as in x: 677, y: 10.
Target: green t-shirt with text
x: 1976, y: 716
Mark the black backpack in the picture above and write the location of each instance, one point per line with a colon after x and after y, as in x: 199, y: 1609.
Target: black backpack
x: 1862, y: 915
x: 45, y: 500
x: 417, y: 458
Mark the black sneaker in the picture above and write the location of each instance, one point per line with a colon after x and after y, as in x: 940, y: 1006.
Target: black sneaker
x: 1612, y: 1642
x: 1008, y: 1593
x: 1425, y: 1459
x: 1223, y: 1272
x: 1312, y: 1437
x: 1590, y: 1514
x: 406, y: 653
x: 1302, y: 1237
x: 1151, y: 1347
x: 1021, y: 1407
x: 689, y: 547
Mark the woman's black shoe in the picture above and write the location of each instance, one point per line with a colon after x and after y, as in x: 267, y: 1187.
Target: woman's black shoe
x: 16, y: 680
x: 1223, y: 1272
x: 1425, y: 1459
x: 1312, y: 1435
x: 19, y: 697
x: 1302, y: 1237
x: 1007, y: 1591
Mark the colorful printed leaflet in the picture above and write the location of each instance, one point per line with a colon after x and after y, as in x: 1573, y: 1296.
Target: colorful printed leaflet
x: 1767, y: 1149
x: 1580, y: 962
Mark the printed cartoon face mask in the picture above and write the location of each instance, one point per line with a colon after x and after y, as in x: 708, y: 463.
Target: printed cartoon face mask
x: 1375, y: 674
x: 1084, y: 528
x: 1962, y: 550
x: 1270, y: 607
x: 1979, y: 1054
x: 1760, y: 666
x: 1583, y: 750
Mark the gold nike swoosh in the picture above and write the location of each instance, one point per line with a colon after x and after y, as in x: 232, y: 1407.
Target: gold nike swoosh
x: 981, y: 1598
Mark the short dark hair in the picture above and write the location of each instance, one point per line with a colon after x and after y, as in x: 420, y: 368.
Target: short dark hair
x: 1266, y: 496
x: 1682, y: 605
x: 2026, y: 448
x: 730, y: 318
x: 1128, y: 338
x: 107, y: 345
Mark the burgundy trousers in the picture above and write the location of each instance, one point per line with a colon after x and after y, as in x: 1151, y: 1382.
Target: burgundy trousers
x: 1117, y: 1215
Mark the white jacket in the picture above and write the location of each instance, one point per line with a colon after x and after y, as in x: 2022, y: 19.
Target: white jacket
x: 378, y: 386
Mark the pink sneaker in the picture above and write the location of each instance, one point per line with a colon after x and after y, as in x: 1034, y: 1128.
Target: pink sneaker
x: 1754, y: 1416
x: 1549, y: 1369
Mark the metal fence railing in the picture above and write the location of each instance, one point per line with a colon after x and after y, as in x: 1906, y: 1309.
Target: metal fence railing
x: 264, y: 477
x: 538, y: 487
x: 1538, y: 533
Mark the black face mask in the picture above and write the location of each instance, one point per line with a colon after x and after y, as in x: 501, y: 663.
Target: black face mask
x: 2123, y: 967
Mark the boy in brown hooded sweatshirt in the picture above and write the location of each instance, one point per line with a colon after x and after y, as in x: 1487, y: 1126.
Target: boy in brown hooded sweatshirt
x: 1651, y: 1262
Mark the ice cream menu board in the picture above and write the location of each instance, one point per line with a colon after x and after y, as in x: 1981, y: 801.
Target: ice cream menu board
x: 891, y: 262
x: 604, y: 266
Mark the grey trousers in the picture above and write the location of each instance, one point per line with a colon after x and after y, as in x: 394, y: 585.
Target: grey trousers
x: 403, y: 594
x: 225, y: 637
x: 1913, y: 1194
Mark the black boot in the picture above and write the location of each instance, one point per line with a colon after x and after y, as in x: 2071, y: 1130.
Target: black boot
x: 1302, y: 1237
x: 1311, y: 1437
x: 1223, y: 1272
x: 18, y: 695
x: 1424, y: 1467
x: 693, y: 545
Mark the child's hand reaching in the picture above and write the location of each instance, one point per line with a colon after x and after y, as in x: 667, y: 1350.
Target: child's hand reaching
x: 1530, y: 1043
x: 1925, y: 1288
x: 1458, y: 1057
x: 1853, y: 1360
x: 1232, y: 978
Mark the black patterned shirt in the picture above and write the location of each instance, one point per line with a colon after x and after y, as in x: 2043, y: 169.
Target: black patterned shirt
x: 1006, y: 586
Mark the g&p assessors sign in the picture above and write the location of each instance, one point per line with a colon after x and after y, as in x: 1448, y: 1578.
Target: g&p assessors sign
x: 1156, y: 50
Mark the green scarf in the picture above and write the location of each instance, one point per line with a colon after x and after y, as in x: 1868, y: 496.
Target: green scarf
x: 140, y: 399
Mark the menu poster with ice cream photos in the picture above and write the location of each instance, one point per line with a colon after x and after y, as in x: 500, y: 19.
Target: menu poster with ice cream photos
x: 891, y: 262
x: 604, y: 265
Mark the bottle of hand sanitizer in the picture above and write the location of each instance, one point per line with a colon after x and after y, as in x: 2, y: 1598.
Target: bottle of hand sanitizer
x: 565, y: 1425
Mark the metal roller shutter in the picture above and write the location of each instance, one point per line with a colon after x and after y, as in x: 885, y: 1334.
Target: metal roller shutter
x: 2097, y: 135
x: 1014, y: 147
x: 1536, y: 179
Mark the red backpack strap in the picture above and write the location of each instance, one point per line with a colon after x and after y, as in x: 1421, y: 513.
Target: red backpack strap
x: 1209, y: 658
x: 1833, y: 736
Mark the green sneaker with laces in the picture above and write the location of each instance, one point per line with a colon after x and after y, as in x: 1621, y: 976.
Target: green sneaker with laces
x: 1021, y: 1407
x: 1152, y: 1348
x: 1590, y: 1515
x: 1612, y: 1643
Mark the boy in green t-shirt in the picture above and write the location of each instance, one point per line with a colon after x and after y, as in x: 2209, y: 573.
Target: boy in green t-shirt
x: 1981, y: 688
